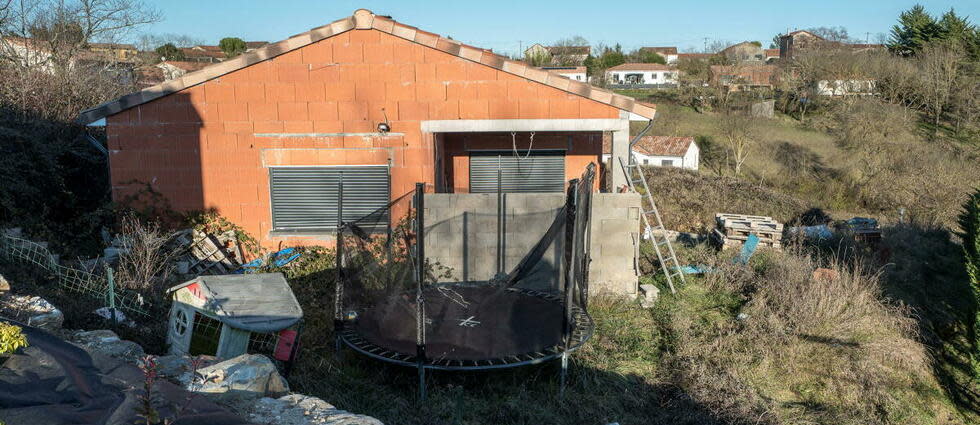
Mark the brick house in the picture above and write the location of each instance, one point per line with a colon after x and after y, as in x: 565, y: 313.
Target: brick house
x: 264, y: 137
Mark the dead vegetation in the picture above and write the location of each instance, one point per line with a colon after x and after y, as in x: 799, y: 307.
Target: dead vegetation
x: 775, y: 344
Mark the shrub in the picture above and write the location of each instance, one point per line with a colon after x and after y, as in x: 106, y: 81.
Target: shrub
x: 11, y: 338
x: 773, y: 344
x: 970, y: 227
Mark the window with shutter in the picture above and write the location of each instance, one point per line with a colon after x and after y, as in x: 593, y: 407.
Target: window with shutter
x: 306, y: 198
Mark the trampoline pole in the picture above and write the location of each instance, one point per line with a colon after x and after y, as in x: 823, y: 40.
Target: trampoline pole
x: 420, y: 281
x: 564, y: 373
x: 338, y: 320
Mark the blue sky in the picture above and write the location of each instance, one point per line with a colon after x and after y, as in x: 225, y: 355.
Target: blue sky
x: 504, y: 25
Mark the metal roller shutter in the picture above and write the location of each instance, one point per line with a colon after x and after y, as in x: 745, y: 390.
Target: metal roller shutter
x: 305, y: 198
x: 542, y: 171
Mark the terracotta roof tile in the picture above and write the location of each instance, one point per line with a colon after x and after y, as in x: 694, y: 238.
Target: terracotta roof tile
x: 640, y: 67
x: 363, y: 18
x: 656, y: 145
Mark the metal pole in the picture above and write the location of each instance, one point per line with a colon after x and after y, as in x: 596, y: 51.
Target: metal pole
x: 500, y: 221
x: 112, y: 294
x: 420, y: 281
x: 571, y: 204
x: 338, y: 320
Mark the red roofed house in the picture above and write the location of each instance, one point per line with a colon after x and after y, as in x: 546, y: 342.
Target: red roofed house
x: 263, y: 137
x: 663, y: 151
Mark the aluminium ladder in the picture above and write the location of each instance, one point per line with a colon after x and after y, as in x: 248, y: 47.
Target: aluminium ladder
x: 657, y: 232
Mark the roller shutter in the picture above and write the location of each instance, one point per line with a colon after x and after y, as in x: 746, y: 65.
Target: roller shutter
x: 542, y: 171
x: 305, y: 198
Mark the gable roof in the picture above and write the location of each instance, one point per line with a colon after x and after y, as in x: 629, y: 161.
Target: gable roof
x: 257, y: 302
x: 660, y: 50
x: 364, y: 19
x: 640, y: 67
x: 656, y: 145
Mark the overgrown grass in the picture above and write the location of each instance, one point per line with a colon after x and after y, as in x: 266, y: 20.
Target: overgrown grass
x: 772, y: 344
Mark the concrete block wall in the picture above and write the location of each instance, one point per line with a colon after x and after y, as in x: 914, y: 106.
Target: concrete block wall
x: 461, y: 234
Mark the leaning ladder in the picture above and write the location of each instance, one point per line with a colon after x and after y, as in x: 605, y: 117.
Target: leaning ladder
x: 657, y: 232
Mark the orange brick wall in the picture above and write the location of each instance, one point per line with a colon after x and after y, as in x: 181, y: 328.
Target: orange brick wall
x: 200, y: 147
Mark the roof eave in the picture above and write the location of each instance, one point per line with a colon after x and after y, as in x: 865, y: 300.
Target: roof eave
x: 365, y: 19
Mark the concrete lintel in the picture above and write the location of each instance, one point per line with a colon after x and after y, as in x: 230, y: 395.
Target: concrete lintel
x: 475, y: 126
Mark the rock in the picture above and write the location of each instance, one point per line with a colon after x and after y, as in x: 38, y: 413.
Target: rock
x: 298, y: 409
x: 248, y: 376
x: 825, y: 274
x: 108, y: 343
x: 120, y: 317
x: 34, y: 311
x: 4, y: 285
x: 649, y: 294
x: 180, y: 368
x: 742, y: 316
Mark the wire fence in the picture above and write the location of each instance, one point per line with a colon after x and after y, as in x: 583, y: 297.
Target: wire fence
x: 94, y: 285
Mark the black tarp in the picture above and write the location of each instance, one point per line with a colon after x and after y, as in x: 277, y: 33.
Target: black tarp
x: 52, y: 382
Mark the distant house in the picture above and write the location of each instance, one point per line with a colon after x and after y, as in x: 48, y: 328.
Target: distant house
x: 695, y: 56
x: 746, y: 51
x: 742, y: 77
x: 207, y: 54
x: 797, y: 41
x: 663, y: 151
x: 177, y: 69
x: 577, y: 73
x: 642, y: 74
x: 853, y: 87
x: 669, y: 53
x: 562, y: 55
x: 116, y: 51
x: 772, y: 54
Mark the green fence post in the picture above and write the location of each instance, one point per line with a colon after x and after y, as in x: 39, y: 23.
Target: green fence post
x: 112, y: 294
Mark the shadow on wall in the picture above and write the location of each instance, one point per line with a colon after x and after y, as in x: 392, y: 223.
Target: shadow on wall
x: 157, y: 153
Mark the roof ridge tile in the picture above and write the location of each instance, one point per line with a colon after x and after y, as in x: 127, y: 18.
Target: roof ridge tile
x: 365, y: 19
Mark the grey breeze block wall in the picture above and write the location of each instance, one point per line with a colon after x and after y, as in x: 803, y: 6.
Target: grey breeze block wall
x: 461, y: 235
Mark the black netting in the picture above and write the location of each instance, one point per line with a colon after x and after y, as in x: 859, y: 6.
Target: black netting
x: 396, y: 303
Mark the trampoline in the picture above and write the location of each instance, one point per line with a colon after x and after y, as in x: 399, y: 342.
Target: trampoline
x: 391, y: 305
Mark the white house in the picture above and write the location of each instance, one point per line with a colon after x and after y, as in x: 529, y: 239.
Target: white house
x: 577, y: 73
x: 845, y: 87
x: 668, y: 53
x: 642, y: 73
x: 663, y: 151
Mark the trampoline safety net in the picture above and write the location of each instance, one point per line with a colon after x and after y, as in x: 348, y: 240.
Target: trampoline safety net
x: 394, y: 305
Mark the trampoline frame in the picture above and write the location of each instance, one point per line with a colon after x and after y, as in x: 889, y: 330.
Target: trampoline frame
x: 577, y: 325
x: 582, y: 328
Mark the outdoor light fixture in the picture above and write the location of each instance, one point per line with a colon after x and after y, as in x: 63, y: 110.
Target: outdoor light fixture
x: 384, y: 127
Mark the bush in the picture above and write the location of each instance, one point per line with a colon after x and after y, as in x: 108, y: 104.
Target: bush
x: 970, y: 226
x: 11, y: 338
x: 774, y: 344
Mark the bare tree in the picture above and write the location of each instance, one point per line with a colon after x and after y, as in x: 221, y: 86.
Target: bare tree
x: 739, y: 134
x: 939, y: 65
x: 48, y: 70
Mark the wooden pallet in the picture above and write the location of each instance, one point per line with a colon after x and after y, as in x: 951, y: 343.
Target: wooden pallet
x: 209, y: 254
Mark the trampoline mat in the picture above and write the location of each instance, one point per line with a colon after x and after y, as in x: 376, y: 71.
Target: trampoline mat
x: 466, y: 323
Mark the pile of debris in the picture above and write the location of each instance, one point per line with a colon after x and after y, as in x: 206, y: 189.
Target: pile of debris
x: 205, y: 253
x: 734, y: 229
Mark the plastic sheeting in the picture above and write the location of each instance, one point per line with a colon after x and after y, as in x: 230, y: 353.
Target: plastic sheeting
x: 53, y: 382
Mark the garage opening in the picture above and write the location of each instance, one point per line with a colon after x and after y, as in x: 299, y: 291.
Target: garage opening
x: 526, y: 161
x: 523, y: 172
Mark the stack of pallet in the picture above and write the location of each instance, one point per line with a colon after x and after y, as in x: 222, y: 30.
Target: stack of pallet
x: 734, y: 229
x: 204, y: 253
